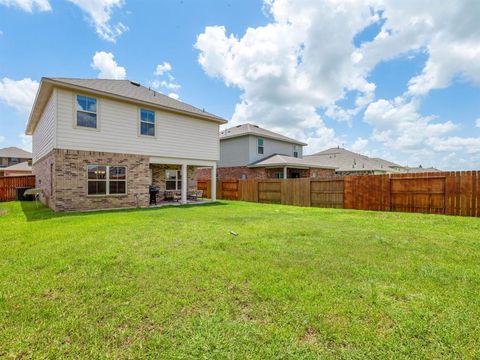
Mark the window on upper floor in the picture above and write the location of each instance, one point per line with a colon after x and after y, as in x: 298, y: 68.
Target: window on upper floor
x: 260, y: 146
x: 147, y: 122
x: 296, y: 151
x: 86, y: 112
x: 14, y: 160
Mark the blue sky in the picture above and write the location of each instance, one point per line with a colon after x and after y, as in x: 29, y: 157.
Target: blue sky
x: 382, y: 77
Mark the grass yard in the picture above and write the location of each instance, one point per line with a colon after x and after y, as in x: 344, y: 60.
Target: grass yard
x: 295, y: 283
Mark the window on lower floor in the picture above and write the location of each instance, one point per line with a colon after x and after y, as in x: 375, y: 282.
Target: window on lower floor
x: 278, y: 175
x: 173, y: 180
x: 107, y: 180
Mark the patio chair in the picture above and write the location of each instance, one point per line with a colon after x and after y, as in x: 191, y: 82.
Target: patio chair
x: 199, y: 194
x: 177, y: 196
x: 168, y: 195
x: 191, y: 195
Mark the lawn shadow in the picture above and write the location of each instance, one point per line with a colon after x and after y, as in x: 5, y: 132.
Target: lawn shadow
x: 38, y: 212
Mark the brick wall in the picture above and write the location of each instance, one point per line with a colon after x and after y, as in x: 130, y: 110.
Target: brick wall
x: 44, y: 178
x: 70, y: 180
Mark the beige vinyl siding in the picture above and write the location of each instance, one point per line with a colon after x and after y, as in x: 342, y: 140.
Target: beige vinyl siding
x: 43, y: 139
x: 118, y: 131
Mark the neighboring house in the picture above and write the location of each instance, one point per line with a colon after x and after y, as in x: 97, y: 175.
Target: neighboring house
x: 250, y: 152
x: 99, y: 144
x: 350, y: 163
x: 12, y: 155
x: 24, y: 168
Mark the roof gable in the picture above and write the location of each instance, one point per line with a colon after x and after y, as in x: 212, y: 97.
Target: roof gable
x: 15, y: 152
x: 251, y: 129
x: 119, y: 89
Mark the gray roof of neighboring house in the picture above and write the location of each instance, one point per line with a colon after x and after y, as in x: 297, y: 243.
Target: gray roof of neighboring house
x: 123, y: 89
x: 421, y: 169
x: 15, y: 152
x: 251, y: 129
x: 278, y: 160
x: 346, y: 160
x: 23, y: 166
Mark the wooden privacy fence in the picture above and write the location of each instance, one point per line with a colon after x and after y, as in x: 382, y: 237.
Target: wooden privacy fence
x: 451, y: 193
x: 8, y: 184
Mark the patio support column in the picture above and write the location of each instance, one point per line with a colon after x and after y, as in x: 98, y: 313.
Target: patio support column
x: 213, y: 189
x: 285, y: 172
x: 184, y: 183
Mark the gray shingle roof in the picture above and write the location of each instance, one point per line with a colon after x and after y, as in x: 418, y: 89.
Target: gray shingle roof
x: 24, y: 166
x: 284, y: 160
x: 251, y: 129
x: 15, y: 152
x: 346, y: 160
x: 134, y: 91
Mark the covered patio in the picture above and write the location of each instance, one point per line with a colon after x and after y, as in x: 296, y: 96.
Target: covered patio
x: 174, y: 178
x: 286, y: 167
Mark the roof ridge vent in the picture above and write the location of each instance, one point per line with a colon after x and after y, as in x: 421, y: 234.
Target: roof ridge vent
x: 134, y: 83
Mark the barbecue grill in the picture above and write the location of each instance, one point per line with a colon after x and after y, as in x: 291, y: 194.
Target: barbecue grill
x: 153, y: 190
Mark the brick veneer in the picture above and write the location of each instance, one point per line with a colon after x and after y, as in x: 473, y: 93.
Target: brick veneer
x: 70, y: 180
x: 236, y: 172
x: 44, y: 179
x: 159, y: 171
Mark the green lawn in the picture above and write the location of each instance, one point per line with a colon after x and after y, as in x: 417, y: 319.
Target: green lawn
x: 295, y: 283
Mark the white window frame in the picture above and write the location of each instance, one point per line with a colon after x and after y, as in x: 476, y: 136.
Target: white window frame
x: 260, y: 146
x: 146, y: 122
x: 278, y: 175
x: 178, y: 180
x: 296, y: 151
x: 75, y: 120
x: 107, y: 180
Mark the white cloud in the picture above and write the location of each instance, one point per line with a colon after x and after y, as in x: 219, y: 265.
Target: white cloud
x: 19, y: 94
x: 28, y: 5
x: 108, y: 67
x: 162, y: 68
x: 360, y: 145
x: 25, y: 142
x: 305, y: 60
x: 100, y: 14
x: 292, y: 66
x: 1, y: 32
x: 477, y: 123
x: 399, y: 127
x: 168, y: 83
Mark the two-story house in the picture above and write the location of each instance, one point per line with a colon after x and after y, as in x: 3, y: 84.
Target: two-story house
x: 99, y: 144
x: 13, y: 156
x: 248, y: 151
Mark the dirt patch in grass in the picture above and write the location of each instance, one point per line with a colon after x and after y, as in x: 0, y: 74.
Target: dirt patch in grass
x: 309, y: 337
x: 3, y: 212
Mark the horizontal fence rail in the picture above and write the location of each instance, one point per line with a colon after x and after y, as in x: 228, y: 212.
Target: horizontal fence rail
x: 450, y: 193
x: 9, y: 184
